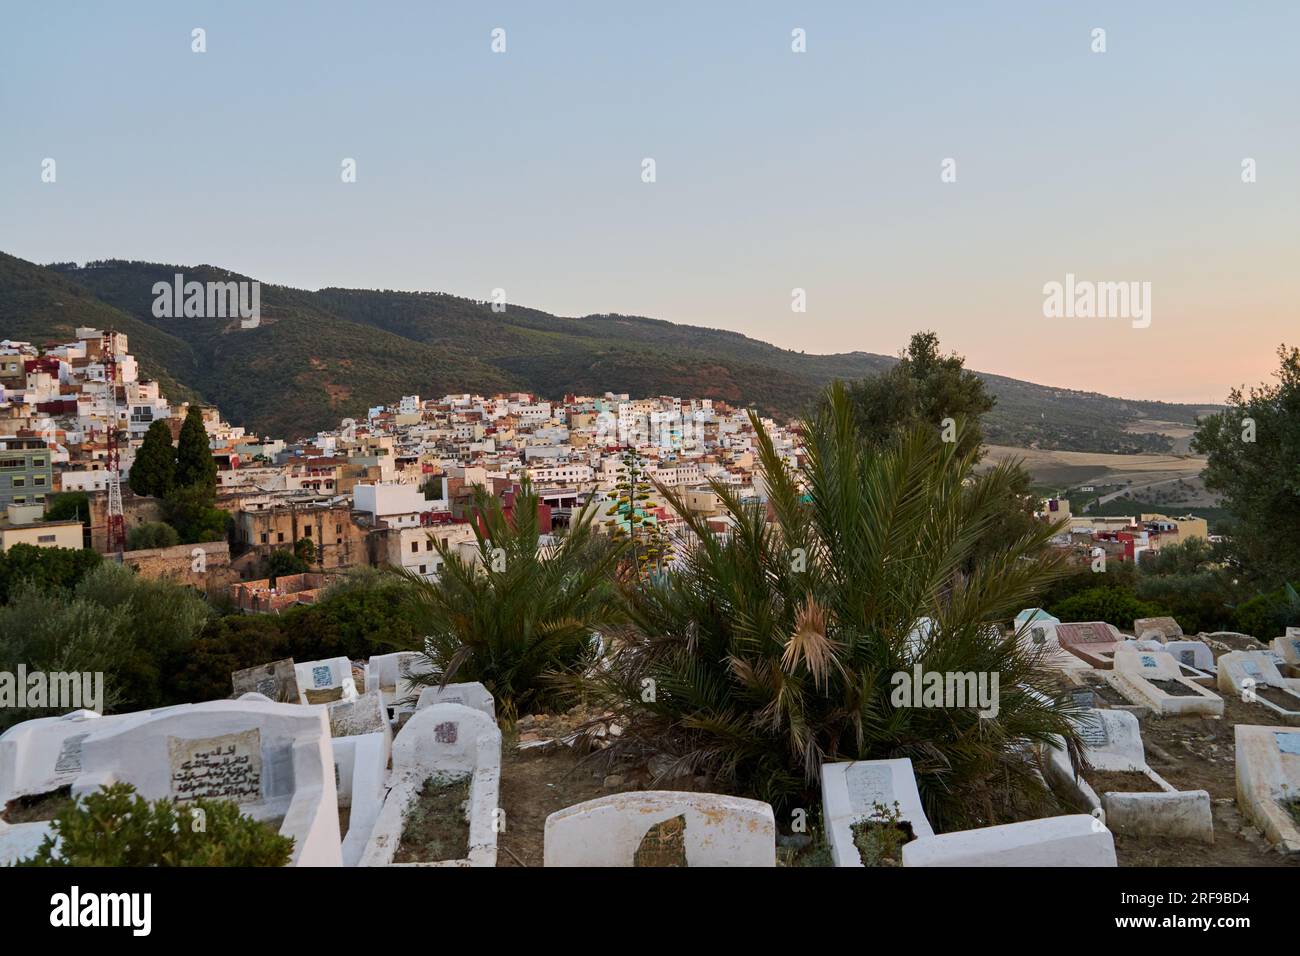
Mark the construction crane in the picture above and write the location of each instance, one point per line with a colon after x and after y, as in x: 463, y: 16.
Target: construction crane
x: 116, y: 520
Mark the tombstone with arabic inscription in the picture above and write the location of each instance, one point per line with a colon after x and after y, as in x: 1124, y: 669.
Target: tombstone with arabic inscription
x: 273, y: 760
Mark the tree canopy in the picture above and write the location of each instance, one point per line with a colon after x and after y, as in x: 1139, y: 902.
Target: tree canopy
x: 1253, y: 450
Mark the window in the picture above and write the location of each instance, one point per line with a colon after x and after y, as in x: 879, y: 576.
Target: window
x: 38, y: 462
x: 20, y: 500
x: 306, y: 532
x: 40, y: 479
x: 279, y: 536
x: 338, y: 529
x: 45, y: 539
x: 263, y: 537
x: 422, y: 569
x: 415, y: 547
x: 19, y: 482
x: 428, y: 544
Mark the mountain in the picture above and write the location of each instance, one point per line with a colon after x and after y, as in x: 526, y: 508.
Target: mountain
x: 319, y: 356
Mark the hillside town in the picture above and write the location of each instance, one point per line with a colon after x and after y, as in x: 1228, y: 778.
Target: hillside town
x: 371, y: 491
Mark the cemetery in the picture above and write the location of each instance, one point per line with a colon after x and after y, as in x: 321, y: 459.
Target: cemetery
x: 1255, y: 677
x: 363, y: 766
x: 1154, y: 679
x: 1132, y: 797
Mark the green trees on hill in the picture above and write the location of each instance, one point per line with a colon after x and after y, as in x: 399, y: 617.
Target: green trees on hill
x: 184, y: 476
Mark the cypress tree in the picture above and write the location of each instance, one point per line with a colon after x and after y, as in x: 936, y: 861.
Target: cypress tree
x: 194, y: 464
x: 153, y: 472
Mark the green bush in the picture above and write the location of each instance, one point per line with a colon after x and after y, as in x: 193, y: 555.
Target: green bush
x: 117, y: 827
x: 281, y: 563
x: 1267, y: 616
x: 1202, y: 601
x: 68, y: 506
x: 44, y: 567
x: 136, y: 632
x: 152, y: 534
x: 365, y: 613
x: 1114, y: 605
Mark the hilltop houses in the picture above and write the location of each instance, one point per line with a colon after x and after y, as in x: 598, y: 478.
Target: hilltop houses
x: 376, y: 490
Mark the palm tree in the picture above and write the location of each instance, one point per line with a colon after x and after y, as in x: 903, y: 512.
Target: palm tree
x: 775, y: 648
x: 524, y: 611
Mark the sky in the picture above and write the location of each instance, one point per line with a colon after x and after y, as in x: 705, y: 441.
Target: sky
x: 774, y: 170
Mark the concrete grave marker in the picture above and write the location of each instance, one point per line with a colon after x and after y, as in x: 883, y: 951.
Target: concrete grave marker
x: 1268, y: 779
x: 1113, y: 743
x: 1155, y: 681
x: 1256, y: 672
x: 1072, y: 840
x: 44, y: 754
x: 277, y: 681
x: 1165, y: 628
x: 325, y: 681
x: 445, y: 742
x: 850, y: 792
x: 1093, y: 642
x: 273, y: 759
x: 471, y: 694
x: 662, y: 828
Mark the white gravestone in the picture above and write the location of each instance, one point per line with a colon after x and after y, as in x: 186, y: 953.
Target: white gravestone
x: 471, y: 694
x: 852, y: 790
x: 1113, y: 742
x: 445, y: 741
x: 1155, y: 680
x: 1268, y: 776
x: 1056, y: 841
x: 273, y: 759
x: 700, y: 829
x: 325, y: 681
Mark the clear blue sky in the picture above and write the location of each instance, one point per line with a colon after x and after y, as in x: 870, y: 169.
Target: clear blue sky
x: 775, y: 170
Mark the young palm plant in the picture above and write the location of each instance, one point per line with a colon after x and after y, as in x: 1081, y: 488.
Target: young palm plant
x: 525, y: 612
x: 775, y: 648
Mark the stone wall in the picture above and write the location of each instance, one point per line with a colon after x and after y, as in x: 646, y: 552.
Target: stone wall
x: 204, y: 566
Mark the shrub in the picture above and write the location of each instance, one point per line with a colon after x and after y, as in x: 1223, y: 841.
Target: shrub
x: 68, y: 506
x: 1114, y: 605
x: 117, y: 827
x: 282, y: 563
x: 152, y: 534
x: 44, y: 567
x: 1267, y: 616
